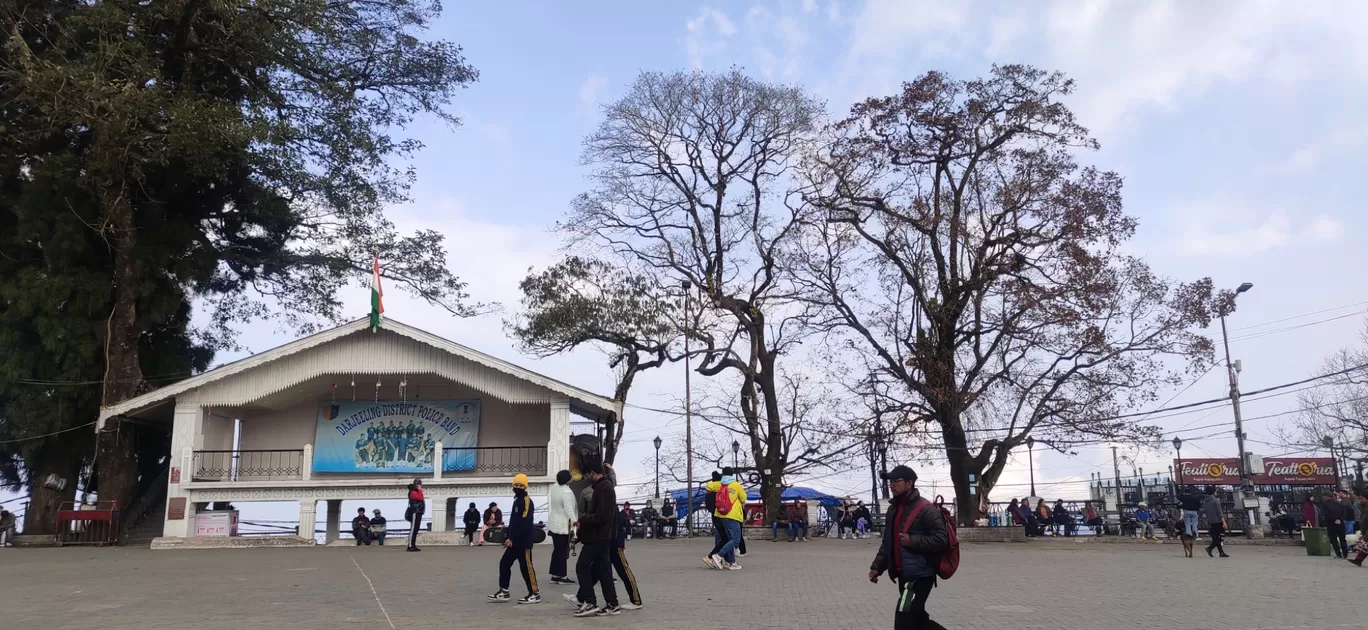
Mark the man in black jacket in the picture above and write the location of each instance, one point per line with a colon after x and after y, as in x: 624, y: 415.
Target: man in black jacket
x: 472, y: 523
x: 1332, y: 517
x: 913, y: 537
x: 597, y: 531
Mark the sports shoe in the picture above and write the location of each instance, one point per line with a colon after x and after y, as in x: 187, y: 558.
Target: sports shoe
x: 586, y: 609
x: 573, y: 598
x: 501, y: 596
x: 532, y: 598
x: 609, y: 610
x: 717, y: 561
x: 629, y: 606
x: 708, y: 562
x: 1356, y: 562
x: 733, y: 567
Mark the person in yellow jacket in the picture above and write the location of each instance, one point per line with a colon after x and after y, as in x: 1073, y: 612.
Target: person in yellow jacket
x: 731, y: 507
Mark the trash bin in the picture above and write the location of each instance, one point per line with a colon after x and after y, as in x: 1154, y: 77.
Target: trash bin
x: 1317, y: 542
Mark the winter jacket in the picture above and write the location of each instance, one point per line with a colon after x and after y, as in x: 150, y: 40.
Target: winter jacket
x: 738, y: 498
x: 927, y: 537
x: 649, y: 514
x: 361, y: 522
x: 561, y: 510
x: 416, y: 504
x: 520, y: 526
x: 378, y: 525
x: 598, y: 521
x: 493, y: 517
x: 1143, y: 515
x: 796, y: 513
x: 1190, y: 502
x: 667, y: 511
x: 1211, y: 506
x: 472, y: 518
x: 1061, y: 514
x: 1309, y: 514
x: 1331, y: 511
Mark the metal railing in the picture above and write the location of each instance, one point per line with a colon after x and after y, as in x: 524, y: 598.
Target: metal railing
x: 529, y: 460
x: 248, y: 465
x: 88, y: 524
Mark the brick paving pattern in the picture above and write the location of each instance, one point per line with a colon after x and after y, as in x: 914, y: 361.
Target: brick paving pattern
x: 797, y: 586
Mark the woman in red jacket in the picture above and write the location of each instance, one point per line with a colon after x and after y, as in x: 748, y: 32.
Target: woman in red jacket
x: 414, y: 514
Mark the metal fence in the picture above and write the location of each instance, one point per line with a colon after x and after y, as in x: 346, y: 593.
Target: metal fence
x: 88, y: 524
x: 529, y: 460
x: 262, y: 465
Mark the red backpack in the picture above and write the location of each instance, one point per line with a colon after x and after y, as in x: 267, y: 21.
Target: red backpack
x: 950, y: 556
x: 724, y: 500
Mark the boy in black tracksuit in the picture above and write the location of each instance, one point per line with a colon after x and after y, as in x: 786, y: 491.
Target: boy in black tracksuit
x: 472, y: 523
x: 619, y: 558
x: 518, y: 546
x: 597, y: 531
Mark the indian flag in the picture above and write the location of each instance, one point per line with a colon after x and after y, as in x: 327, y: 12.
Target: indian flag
x: 377, y: 298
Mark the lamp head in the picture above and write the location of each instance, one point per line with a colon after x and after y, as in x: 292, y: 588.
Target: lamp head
x: 1244, y: 287
x: 1177, y: 443
x: 656, y: 441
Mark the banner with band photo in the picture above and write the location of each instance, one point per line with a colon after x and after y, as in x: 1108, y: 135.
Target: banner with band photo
x: 395, y: 436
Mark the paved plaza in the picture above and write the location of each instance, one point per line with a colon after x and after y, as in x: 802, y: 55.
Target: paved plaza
x: 806, y: 585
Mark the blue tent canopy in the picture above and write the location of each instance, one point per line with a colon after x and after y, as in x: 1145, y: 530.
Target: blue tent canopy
x: 789, y: 494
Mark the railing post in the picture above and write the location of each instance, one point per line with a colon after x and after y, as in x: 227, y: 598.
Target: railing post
x: 306, y: 463
x: 437, y: 460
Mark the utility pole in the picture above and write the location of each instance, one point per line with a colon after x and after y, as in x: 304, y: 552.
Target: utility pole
x: 1116, y: 467
x: 1030, y: 457
x: 873, y: 474
x: 1253, y: 530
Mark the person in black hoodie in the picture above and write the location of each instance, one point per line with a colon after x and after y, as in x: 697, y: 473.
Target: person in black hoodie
x: 472, y: 523
x: 417, y: 504
x: 913, y: 538
x: 1332, y: 517
x: 518, y: 545
x: 597, y: 532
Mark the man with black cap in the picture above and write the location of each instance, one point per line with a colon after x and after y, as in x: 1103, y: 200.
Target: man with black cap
x: 913, y: 537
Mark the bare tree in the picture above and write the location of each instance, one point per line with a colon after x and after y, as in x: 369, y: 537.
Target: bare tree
x: 1337, y: 408
x: 977, y: 271
x: 691, y: 179
x: 584, y: 301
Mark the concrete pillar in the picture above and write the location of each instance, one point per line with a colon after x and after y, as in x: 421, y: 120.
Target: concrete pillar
x: 437, y: 461
x: 451, y: 514
x: 558, y: 447
x: 308, y: 518
x: 334, y: 528
x: 439, y: 514
x: 306, y: 467
x: 187, y: 431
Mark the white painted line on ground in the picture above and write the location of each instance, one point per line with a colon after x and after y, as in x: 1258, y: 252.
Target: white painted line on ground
x: 372, y: 588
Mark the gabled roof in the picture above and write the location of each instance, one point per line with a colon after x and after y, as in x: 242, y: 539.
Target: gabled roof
x: 580, y: 398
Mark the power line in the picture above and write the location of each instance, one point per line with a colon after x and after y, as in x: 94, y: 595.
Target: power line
x: 39, y: 437
x: 1283, y: 330
x: 1288, y: 319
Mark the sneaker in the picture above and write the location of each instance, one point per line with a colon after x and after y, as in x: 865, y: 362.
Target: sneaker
x: 586, y: 609
x: 608, y: 610
x: 532, y: 598
x: 804, y: 539
x: 733, y: 567
x: 573, y: 598
x: 629, y: 606
x: 1356, y: 562
x: 501, y: 596
x: 717, y: 561
x: 1209, y: 553
x: 1224, y: 555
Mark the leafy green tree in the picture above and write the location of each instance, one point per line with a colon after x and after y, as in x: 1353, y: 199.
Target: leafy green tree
x: 239, y: 151
x: 585, y: 301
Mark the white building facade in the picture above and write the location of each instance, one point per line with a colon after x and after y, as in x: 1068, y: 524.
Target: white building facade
x: 281, y: 425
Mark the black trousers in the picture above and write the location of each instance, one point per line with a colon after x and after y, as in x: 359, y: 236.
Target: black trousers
x: 413, y: 530
x: 362, y: 535
x: 524, y: 559
x: 911, y: 611
x: 470, y: 532
x: 624, y: 571
x: 596, y: 566
x: 1337, y: 541
x: 560, y: 552
x: 1217, y: 532
x: 721, y: 537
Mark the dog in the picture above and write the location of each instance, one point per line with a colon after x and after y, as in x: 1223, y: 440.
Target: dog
x: 1187, y: 542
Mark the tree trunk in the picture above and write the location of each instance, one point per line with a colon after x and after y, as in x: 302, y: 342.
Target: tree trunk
x: 962, y: 465
x: 41, y: 517
x: 771, y: 492
x: 115, y: 458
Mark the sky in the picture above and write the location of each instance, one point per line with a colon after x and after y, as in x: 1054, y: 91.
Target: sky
x: 1236, y: 126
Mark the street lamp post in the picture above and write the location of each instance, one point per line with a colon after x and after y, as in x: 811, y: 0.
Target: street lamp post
x: 1030, y: 456
x: 1329, y: 443
x: 656, y: 441
x: 1178, y: 448
x: 1360, y: 471
x: 1246, y: 477
x: 688, y: 412
x: 736, y: 450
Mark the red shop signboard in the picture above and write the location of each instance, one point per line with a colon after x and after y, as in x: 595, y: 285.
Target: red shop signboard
x: 1292, y: 471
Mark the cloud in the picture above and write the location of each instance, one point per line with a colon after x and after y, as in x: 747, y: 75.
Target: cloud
x: 589, y: 89
x: 1276, y: 231
x: 707, y: 35
x: 1128, y: 57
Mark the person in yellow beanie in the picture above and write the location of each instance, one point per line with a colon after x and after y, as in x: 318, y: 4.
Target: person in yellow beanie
x: 518, y: 545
